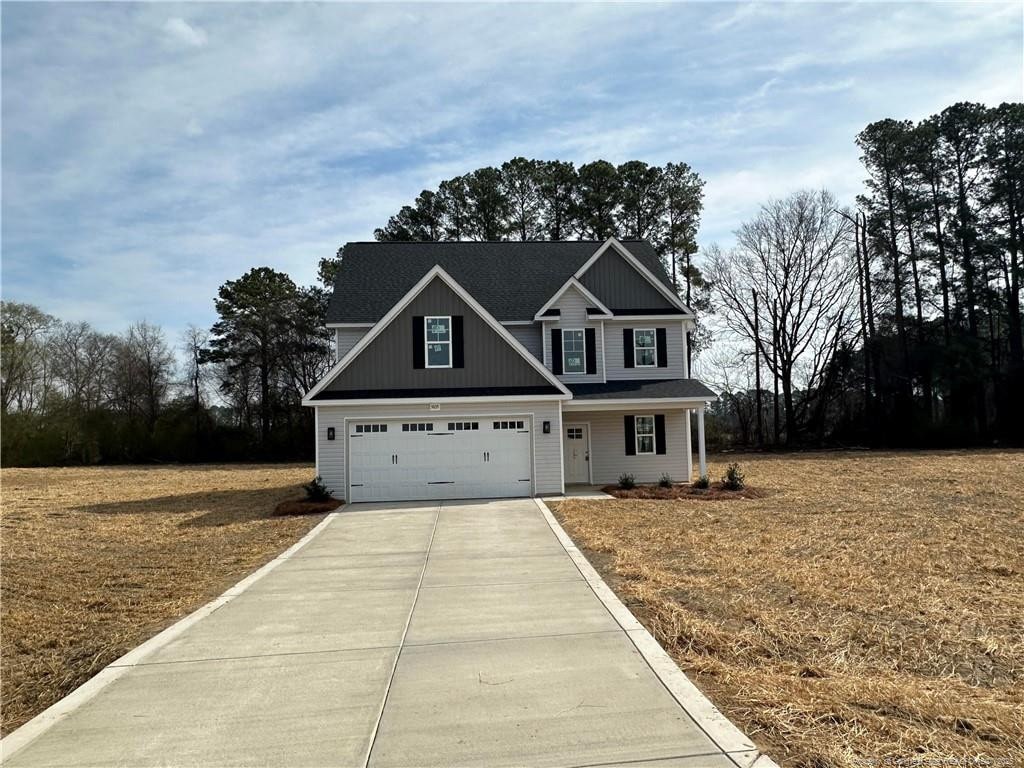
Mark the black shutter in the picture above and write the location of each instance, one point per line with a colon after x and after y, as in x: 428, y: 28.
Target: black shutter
x: 659, y: 433
x: 591, y: 345
x: 556, y: 350
x: 458, y: 353
x: 662, y: 347
x: 629, y: 427
x: 418, y: 338
x: 627, y: 347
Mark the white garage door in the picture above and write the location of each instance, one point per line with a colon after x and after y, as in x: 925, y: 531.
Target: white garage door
x: 446, y: 458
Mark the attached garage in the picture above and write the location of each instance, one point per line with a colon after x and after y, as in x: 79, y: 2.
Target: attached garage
x: 449, y: 457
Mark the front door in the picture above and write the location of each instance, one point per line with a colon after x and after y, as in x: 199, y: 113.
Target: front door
x: 577, y: 453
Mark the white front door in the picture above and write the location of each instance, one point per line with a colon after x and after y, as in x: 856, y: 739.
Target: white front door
x: 577, y: 453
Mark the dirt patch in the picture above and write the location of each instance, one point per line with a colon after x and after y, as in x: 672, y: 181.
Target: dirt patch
x: 716, y: 492
x: 306, y: 507
x: 96, y: 560
x: 870, y: 608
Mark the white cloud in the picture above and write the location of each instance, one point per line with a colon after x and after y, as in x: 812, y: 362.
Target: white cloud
x: 181, y: 32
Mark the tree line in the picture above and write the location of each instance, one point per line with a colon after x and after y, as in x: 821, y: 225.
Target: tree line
x: 892, y: 322
x: 74, y: 395
x: 896, y: 322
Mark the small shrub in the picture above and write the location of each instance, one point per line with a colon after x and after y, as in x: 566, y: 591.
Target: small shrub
x: 627, y: 481
x: 732, y: 480
x: 665, y: 481
x: 316, y: 490
x: 702, y: 482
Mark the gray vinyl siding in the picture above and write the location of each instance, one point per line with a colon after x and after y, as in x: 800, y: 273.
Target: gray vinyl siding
x: 608, y: 446
x: 387, y: 362
x: 346, y: 338
x: 547, y: 449
x: 620, y: 286
x: 573, y: 308
x: 673, y: 343
x: 530, y: 337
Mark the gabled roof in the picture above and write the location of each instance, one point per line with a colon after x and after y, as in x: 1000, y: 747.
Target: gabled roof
x: 403, y: 301
x: 599, y: 308
x: 512, y: 280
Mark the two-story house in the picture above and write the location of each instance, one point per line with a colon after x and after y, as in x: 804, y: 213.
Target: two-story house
x: 473, y: 370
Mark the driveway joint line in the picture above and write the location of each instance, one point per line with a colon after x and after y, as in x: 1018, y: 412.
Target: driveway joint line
x: 647, y: 760
x: 510, y: 638
x: 401, y: 642
x: 254, y: 656
x: 504, y: 583
x: 550, y: 518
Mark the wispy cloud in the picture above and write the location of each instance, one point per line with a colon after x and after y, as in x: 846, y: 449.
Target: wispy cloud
x: 152, y: 151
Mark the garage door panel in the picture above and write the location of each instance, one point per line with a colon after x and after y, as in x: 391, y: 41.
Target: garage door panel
x: 394, y: 464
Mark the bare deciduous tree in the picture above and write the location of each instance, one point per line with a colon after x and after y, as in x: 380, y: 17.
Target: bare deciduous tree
x: 795, y: 254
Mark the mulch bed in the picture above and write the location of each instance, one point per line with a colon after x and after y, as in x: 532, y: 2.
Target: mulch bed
x: 717, y: 492
x: 306, y: 507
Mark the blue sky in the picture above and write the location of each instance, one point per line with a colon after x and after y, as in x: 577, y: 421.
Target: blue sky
x: 153, y: 151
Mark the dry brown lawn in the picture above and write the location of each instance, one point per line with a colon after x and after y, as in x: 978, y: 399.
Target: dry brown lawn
x: 95, y: 560
x: 869, y: 609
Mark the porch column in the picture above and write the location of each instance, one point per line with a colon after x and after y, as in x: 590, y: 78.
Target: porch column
x: 701, y: 455
x: 689, y: 447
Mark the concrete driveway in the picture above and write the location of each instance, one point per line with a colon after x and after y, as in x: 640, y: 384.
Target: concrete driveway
x: 440, y: 634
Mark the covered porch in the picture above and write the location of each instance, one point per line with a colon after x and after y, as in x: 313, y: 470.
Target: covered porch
x: 650, y: 437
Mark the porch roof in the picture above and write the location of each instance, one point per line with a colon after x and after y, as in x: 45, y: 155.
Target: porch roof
x: 644, y: 389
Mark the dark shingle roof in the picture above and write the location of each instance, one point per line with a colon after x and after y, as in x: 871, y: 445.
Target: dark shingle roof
x: 511, y: 279
x: 648, y: 388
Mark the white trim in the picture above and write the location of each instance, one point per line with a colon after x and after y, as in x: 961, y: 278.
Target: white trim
x: 653, y: 435
x: 654, y: 333
x: 401, y: 304
x: 686, y: 352
x: 429, y: 400
x: 572, y: 282
x: 638, y: 265
x: 532, y: 416
x: 582, y: 331
x: 316, y: 441
x: 590, y: 452
x: 561, y: 448
x: 605, y: 404
x: 646, y: 317
x: 349, y: 325
x: 604, y: 356
x: 427, y: 343
x: 518, y: 322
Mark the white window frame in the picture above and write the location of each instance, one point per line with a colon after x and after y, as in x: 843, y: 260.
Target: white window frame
x: 583, y: 335
x: 427, y: 342
x: 651, y: 434
x: 654, y: 348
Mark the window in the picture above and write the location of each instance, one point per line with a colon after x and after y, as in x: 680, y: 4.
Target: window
x: 364, y: 428
x: 421, y: 426
x: 574, y: 358
x: 574, y: 433
x: 644, y: 434
x: 509, y: 425
x: 644, y: 348
x: 455, y: 426
x: 438, y: 332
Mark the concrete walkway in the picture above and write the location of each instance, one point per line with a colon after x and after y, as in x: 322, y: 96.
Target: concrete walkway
x: 441, y: 634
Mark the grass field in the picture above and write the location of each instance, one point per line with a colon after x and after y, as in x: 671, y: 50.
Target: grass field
x: 95, y: 560
x: 868, y: 609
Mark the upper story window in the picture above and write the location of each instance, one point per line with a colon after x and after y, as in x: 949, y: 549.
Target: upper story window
x: 645, y: 352
x: 574, y: 349
x: 644, y: 434
x: 439, y: 341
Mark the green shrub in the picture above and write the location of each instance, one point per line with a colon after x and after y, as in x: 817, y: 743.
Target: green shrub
x: 627, y: 481
x: 732, y: 480
x: 665, y: 481
x: 701, y: 482
x: 316, y: 490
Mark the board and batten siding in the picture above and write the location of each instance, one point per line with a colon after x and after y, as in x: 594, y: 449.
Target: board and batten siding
x: 573, y: 308
x: 673, y: 344
x: 547, y: 449
x: 346, y: 338
x: 608, y: 446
